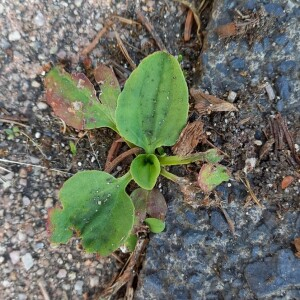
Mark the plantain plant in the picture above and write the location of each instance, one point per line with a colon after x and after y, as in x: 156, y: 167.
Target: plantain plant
x: 150, y: 113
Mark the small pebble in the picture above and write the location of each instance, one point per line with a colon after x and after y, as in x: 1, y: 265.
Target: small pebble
x: 26, y: 201
x: 21, y: 236
x: 14, y: 36
x: 35, y: 84
x: 258, y: 142
x: 72, y: 275
x: 62, y: 273
x: 2, y: 259
x: 23, y: 173
x: 94, y: 281
x: 42, y: 105
x: 78, y: 286
x: 78, y: 3
x: 27, y: 261
x: 14, y: 257
x: 49, y: 203
x: 270, y: 91
x: 37, y: 135
x: 231, y: 96
x: 39, y: 19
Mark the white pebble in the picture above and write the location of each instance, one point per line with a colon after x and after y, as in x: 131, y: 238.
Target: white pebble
x: 37, y: 135
x: 35, y: 84
x: 62, y: 273
x: 14, y: 36
x: 78, y: 3
x: 21, y: 236
x: 42, y: 105
x: 39, y: 19
x: 14, y: 257
x: 79, y: 164
x: 270, y: 91
x: 49, y: 203
x: 27, y: 261
x: 26, y: 201
x: 258, y: 142
x: 94, y: 281
x: 78, y: 286
x: 231, y: 96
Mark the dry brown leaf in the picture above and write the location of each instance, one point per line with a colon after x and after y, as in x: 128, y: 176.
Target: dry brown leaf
x: 297, y: 246
x: 189, y: 138
x: 227, y: 30
x: 287, y: 181
x: 205, y: 103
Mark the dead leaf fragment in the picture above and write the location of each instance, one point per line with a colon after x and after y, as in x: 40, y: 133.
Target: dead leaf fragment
x: 189, y: 138
x: 227, y: 30
x: 205, y: 103
x: 287, y: 181
x: 297, y: 246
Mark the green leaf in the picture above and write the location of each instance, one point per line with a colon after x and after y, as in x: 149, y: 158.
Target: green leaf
x: 153, y: 106
x: 73, y: 148
x: 97, y: 208
x: 210, y: 156
x: 145, y: 169
x: 155, y: 225
x: 131, y: 242
x: 110, y: 88
x: 211, y: 176
x: 73, y: 99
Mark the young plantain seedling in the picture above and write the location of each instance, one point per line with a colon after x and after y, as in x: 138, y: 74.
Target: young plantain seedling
x: 149, y: 113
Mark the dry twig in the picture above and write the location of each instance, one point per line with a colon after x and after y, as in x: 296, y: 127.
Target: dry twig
x: 96, y: 40
x: 144, y: 20
x: 123, y: 49
x: 121, y: 157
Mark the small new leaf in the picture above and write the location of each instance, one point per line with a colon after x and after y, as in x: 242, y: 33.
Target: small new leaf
x: 145, y: 169
x: 211, y: 176
x: 97, y: 208
x: 155, y: 225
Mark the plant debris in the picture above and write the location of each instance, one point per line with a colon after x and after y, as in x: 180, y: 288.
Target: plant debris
x: 287, y: 181
x: 189, y: 138
x: 205, y: 103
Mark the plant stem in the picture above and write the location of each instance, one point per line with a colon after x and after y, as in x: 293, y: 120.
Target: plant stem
x: 126, y: 178
x: 209, y: 156
x: 173, y: 177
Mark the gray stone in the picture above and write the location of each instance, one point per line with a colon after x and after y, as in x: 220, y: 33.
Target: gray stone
x: 14, y: 36
x: 14, y: 257
x: 274, y: 274
x: 27, y: 261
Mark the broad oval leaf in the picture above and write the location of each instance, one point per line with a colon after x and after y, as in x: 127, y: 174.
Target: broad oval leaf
x: 73, y: 99
x: 211, y: 176
x: 145, y: 169
x: 97, y: 208
x: 155, y: 225
x: 153, y: 106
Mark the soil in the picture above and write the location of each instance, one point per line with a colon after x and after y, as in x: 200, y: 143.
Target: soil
x: 27, y: 191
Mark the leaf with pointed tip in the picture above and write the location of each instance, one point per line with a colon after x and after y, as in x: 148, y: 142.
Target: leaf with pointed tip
x: 211, y: 176
x: 145, y: 169
x: 110, y: 88
x: 95, y: 206
x: 73, y: 99
x: 153, y: 106
x: 155, y: 225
